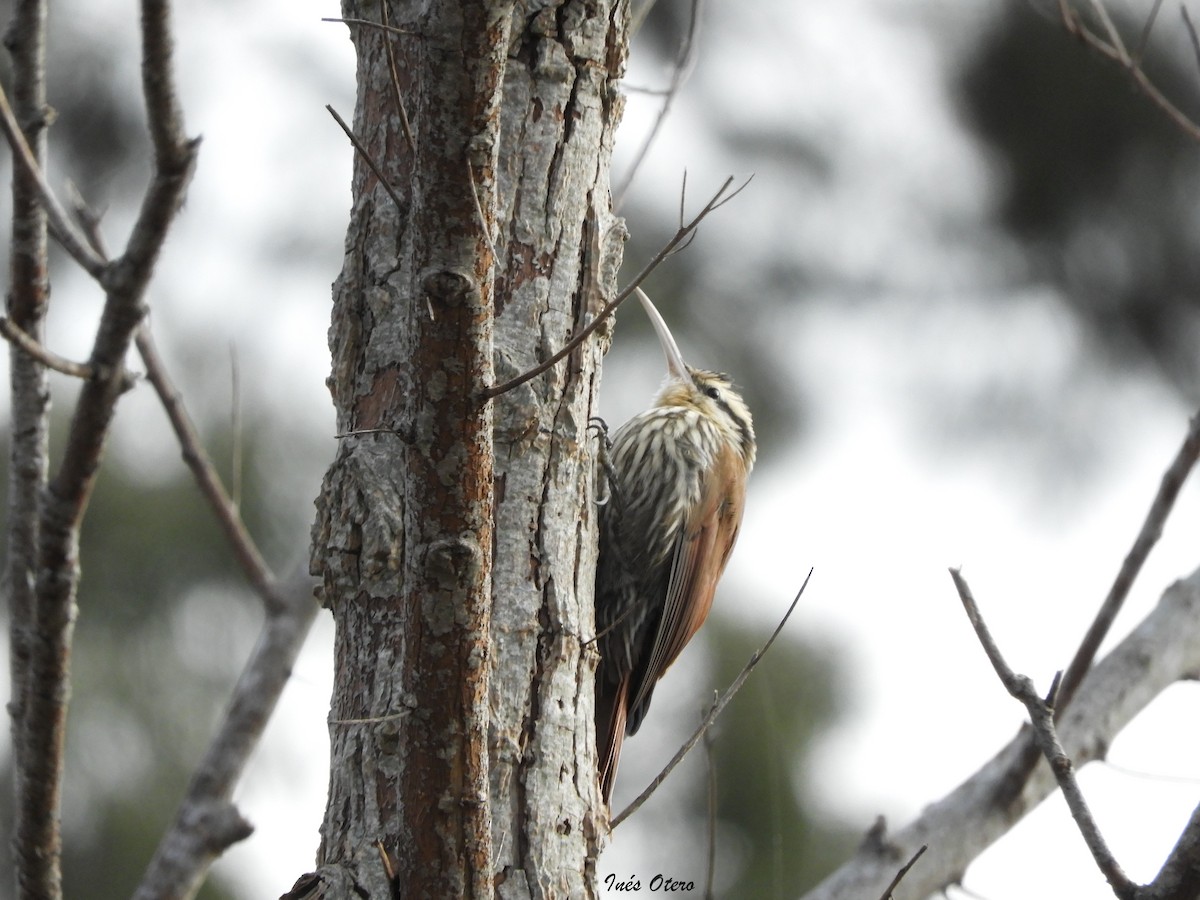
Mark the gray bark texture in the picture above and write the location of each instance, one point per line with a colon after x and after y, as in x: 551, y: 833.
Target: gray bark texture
x: 455, y: 536
x: 37, y: 843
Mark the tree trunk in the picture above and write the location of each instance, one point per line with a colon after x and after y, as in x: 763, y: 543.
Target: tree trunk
x: 455, y: 534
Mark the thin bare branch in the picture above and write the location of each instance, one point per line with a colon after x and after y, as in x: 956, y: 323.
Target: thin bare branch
x: 65, y: 499
x: 1151, y: 530
x: 715, y: 711
x: 685, y: 60
x: 48, y: 358
x: 367, y: 23
x: 205, y: 473
x: 887, y: 894
x: 683, y: 198
x: 1160, y: 651
x: 483, y: 222
x: 1041, y: 714
x: 710, y: 763
x: 237, y: 453
x: 64, y: 230
x: 174, y: 161
x: 88, y: 219
x: 1191, y: 30
x: 207, y: 821
x: 1148, y: 27
x: 719, y: 199
x: 1116, y: 53
x: 395, y: 76
x: 363, y: 152
x: 1114, y: 36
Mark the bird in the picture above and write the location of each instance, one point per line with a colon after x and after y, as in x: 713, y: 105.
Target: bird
x: 677, y: 476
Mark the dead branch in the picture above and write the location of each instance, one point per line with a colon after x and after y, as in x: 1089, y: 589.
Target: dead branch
x: 17, y: 336
x: 710, y: 764
x: 888, y: 891
x: 1112, y: 47
x: 715, y: 711
x: 362, y: 151
x: 1148, y: 535
x: 207, y: 822
x: 1161, y: 650
x: 205, y: 473
x: 1041, y: 714
x: 1191, y: 30
x: 395, y: 75
x: 682, y: 235
x: 65, y: 232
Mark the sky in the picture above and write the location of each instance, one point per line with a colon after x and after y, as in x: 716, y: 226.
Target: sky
x: 876, y: 498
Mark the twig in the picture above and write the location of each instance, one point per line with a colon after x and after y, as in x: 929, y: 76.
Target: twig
x: 1144, y: 40
x: 483, y: 222
x: 1151, y: 531
x: 392, y: 70
x: 1191, y: 30
x: 887, y: 894
x: 235, y: 427
x: 719, y: 199
x: 64, y: 230
x: 685, y: 60
x: 205, y: 473
x: 362, y: 151
x: 1114, y: 36
x: 88, y: 219
x: 174, y: 160
x: 42, y: 732
x: 51, y: 360
x: 1161, y: 650
x: 1041, y: 714
x: 711, y: 765
x: 191, y: 843
x: 730, y: 693
x: 1116, y: 53
x: 367, y: 23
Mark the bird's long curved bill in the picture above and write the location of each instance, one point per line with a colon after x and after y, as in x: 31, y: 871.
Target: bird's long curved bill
x: 675, y: 365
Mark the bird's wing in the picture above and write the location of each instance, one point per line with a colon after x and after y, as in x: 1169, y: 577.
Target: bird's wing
x: 701, y: 552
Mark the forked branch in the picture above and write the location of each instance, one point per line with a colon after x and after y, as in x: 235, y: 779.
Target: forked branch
x: 1112, y: 47
x: 1041, y: 715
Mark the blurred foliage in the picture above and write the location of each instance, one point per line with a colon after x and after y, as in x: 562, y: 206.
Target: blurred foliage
x: 1096, y: 184
x: 777, y: 839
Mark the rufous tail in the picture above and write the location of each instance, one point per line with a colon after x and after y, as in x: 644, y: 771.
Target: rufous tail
x: 610, y: 733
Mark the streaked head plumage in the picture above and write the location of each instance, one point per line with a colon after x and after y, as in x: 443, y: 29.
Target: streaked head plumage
x: 712, y: 394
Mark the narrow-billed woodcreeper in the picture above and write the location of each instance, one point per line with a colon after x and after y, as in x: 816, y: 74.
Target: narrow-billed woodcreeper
x: 679, y: 481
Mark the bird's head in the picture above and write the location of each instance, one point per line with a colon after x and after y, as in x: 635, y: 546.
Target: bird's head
x: 711, y: 394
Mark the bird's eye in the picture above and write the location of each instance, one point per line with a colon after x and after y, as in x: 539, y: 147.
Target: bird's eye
x: 713, y: 393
